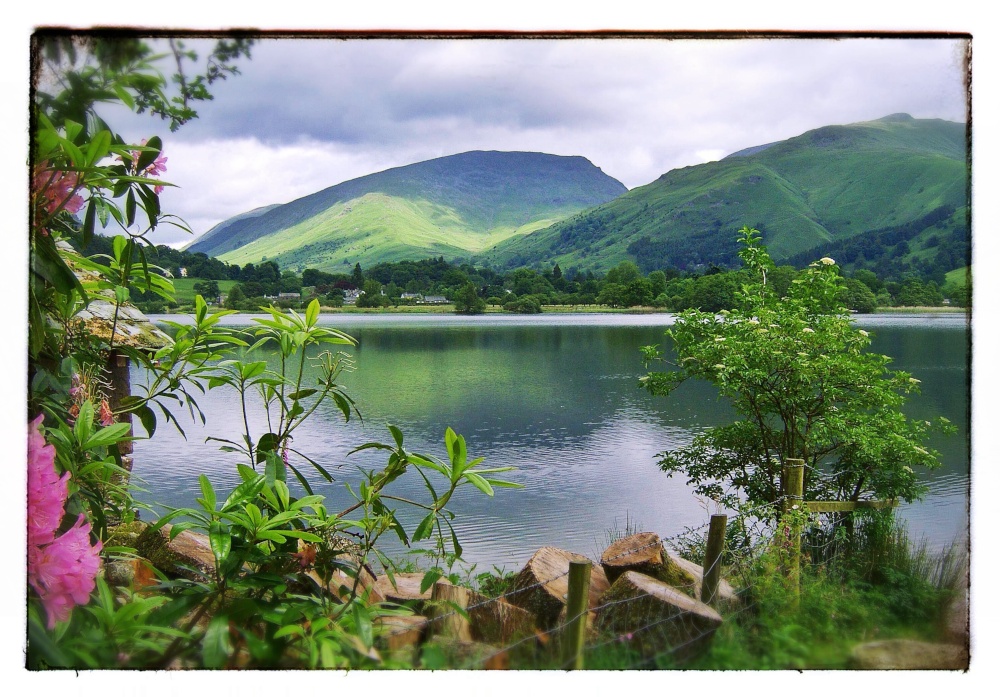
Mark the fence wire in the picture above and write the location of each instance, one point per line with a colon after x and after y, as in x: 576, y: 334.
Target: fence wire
x: 633, y: 631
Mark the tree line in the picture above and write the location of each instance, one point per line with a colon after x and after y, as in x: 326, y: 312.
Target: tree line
x: 525, y: 290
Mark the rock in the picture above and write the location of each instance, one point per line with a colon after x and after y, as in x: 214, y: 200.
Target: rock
x: 495, y: 621
x: 406, y: 590
x: 642, y: 552
x: 133, y: 573
x: 645, y: 554
x: 397, y: 632
x: 542, y: 585
x: 655, y: 617
x: 188, y: 555
x: 905, y: 654
x: 726, y: 593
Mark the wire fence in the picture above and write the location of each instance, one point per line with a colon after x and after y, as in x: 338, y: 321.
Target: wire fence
x: 635, y: 623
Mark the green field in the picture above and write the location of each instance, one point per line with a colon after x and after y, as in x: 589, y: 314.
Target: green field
x: 184, y: 289
x: 958, y: 277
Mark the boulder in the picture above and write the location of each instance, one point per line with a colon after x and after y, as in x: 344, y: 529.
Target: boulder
x: 645, y: 554
x: 405, y: 590
x: 495, y: 621
x: 542, y: 585
x: 188, y: 555
x: 655, y: 617
x: 725, y: 594
x: 905, y: 654
x: 397, y: 632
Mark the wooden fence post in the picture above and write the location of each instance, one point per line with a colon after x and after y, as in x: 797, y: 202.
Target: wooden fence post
x: 713, y: 558
x: 794, y: 472
x: 576, y: 615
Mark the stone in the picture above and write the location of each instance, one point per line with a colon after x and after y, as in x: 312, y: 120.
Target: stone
x: 655, y: 617
x: 906, y: 654
x: 189, y: 555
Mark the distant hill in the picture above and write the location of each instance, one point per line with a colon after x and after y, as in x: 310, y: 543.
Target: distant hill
x: 806, y: 194
x: 451, y: 206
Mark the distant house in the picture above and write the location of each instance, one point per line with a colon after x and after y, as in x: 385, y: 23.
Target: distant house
x: 351, y: 296
x: 434, y: 300
x: 411, y: 296
x: 289, y: 296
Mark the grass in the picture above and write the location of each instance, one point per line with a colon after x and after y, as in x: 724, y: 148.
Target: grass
x: 184, y: 289
x: 802, y: 192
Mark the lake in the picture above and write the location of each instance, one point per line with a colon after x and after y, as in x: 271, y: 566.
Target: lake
x: 555, y: 396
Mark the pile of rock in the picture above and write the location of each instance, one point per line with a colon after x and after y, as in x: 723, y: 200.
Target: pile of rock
x: 640, y: 593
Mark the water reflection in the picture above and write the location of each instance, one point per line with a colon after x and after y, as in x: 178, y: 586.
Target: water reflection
x: 556, y: 397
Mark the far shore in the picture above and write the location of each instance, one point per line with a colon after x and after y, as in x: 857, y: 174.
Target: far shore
x: 449, y: 309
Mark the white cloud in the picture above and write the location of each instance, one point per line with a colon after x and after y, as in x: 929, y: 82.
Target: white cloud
x: 305, y: 115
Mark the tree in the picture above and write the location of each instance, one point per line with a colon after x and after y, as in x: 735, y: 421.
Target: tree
x: 468, y: 302
x: 658, y: 281
x: 796, y: 371
x: 357, y: 277
x: 208, y: 290
x: 858, y: 296
x: 371, y: 294
x: 624, y: 273
x: 235, y: 297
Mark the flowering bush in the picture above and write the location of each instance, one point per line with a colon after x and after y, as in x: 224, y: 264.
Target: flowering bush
x: 61, y: 569
x: 796, y: 370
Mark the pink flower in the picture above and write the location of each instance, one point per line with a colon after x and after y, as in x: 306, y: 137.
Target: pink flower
x: 63, y: 572
x: 306, y: 556
x: 105, y: 414
x: 47, y: 492
x: 61, y: 569
x: 54, y: 189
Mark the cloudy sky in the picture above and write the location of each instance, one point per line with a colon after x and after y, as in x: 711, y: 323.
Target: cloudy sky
x: 306, y: 114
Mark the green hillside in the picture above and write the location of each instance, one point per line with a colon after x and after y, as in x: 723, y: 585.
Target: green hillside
x: 452, y: 206
x: 818, y: 189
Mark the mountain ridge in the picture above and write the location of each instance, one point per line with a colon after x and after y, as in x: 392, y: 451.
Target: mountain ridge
x: 823, y: 186
x: 455, y: 204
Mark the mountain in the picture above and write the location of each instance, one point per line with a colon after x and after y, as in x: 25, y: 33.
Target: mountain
x: 821, y: 189
x: 450, y: 206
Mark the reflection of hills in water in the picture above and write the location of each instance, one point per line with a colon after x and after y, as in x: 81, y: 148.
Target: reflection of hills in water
x: 562, y: 404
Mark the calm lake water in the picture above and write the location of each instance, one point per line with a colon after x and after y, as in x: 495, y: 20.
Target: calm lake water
x: 555, y: 396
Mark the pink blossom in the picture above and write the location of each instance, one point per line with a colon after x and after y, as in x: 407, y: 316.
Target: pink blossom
x: 47, y: 492
x: 106, y: 416
x: 63, y: 572
x: 54, y: 189
x: 61, y: 569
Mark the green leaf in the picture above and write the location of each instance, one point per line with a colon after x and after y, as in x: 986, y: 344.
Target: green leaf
x: 274, y: 470
x: 216, y: 647
x: 244, y: 492
x: 130, y: 208
x: 207, y: 492
x: 84, y: 423
x: 220, y: 540
x: 429, y: 579
x: 89, y: 222
x: 98, y: 147
x: 302, y: 394
x: 480, y: 483
x: 124, y: 96
x: 423, y: 530
x: 312, y: 312
x: 397, y: 435
x: 146, y: 158
x: 109, y: 435
x: 363, y: 624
